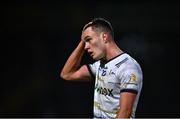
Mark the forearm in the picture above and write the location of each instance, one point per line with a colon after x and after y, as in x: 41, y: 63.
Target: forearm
x: 73, y: 62
x: 124, y: 113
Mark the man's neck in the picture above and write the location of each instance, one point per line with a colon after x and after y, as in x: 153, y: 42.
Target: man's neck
x: 112, y: 51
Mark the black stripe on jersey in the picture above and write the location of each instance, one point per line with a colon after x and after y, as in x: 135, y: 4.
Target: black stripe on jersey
x: 129, y: 90
x: 93, y: 76
x: 105, y: 62
x: 97, y: 117
x: 121, y: 62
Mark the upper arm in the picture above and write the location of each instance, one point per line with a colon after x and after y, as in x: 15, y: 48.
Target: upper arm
x: 126, y: 104
x: 127, y: 100
x: 81, y: 74
x: 130, y: 83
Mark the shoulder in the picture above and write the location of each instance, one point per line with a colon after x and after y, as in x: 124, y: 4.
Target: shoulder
x: 94, y: 66
x: 96, y: 63
x: 128, y: 65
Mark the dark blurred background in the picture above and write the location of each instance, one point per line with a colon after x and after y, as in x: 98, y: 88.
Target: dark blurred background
x: 38, y: 36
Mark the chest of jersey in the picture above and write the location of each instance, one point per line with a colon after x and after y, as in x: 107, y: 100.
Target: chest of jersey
x: 107, y: 83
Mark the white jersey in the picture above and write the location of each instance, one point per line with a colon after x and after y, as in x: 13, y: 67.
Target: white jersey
x: 120, y: 74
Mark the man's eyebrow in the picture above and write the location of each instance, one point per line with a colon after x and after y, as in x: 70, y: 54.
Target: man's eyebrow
x: 86, y: 38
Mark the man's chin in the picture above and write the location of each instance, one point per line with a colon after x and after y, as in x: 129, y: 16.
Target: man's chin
x: 96, y: 58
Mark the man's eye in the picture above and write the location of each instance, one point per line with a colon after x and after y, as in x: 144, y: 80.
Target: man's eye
x: 88, y: 39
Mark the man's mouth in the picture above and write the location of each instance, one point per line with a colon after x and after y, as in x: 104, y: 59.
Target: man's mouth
x: 90, y: 53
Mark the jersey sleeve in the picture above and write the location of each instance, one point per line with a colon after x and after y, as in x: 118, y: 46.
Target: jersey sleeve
x: 131, y: 81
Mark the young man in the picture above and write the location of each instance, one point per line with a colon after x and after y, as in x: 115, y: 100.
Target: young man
x: 118, y: 77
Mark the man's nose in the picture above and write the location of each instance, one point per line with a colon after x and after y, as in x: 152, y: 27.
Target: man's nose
x: 86, y: 46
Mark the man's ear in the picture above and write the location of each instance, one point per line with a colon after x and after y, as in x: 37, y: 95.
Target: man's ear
x: 105, y: 37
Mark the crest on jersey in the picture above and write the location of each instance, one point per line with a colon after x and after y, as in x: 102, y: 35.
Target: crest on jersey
x: 111, y: 72
x: 133, y: 77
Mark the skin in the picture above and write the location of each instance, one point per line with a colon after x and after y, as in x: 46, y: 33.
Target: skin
x: 100, y: 46
x: 94, y: 44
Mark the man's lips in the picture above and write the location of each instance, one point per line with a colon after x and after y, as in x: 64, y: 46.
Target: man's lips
x: 90, y: 53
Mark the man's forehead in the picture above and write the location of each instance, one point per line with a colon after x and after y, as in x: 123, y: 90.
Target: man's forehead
x: 87, y: 32
x: 89, y: 29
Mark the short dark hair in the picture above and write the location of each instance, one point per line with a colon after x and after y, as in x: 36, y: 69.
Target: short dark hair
x: 100, y: 24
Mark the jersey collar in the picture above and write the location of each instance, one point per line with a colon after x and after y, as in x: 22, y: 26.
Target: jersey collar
x: 104, y: 62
